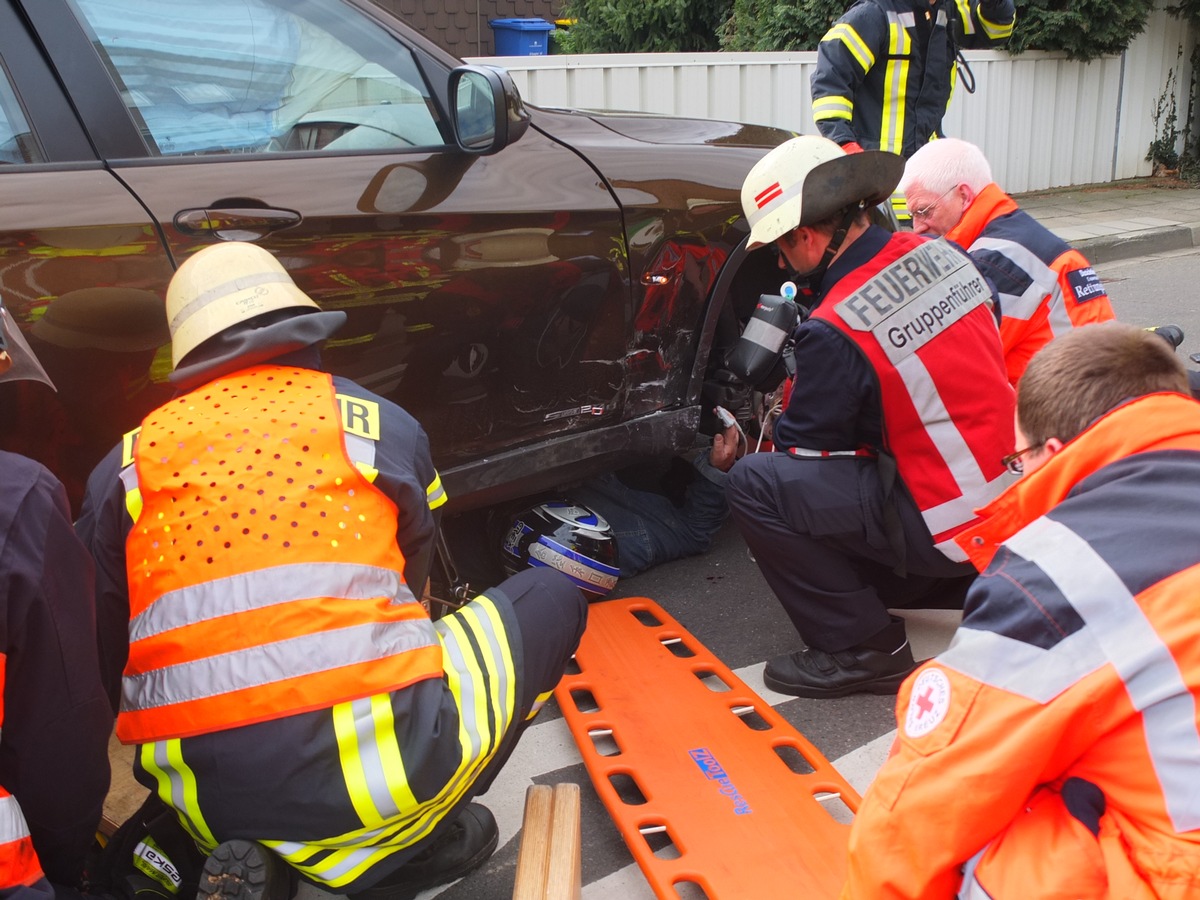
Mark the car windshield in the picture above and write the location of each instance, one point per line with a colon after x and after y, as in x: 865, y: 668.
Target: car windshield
x: 254, y: 76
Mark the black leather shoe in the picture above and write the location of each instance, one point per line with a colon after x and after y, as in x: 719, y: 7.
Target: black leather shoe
x: 465, y: 844
x: 859, y: 670
x: 245, y: 870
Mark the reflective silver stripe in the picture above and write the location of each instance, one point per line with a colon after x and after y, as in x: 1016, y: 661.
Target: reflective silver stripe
x: 971, y: 889
x: 129, y: 479
x: 964, y: 14
x: 764, y: 334
x: 160, y: 752
x: 467, y: 701
x: 1044, y: 280
x: 823, y: 454
x: 953, y: 513
x: 794, y: 191
x: 974, y: 488
x: 266, y: 663
x: 1019, y: 668
x: 12, y: 821
x: 224, y: 290
x: 485, y: 632
x: 266, y: 587
x: 895, y: 79
x: 359, y: 449
x: 371, y: 760
x: 903, y: 19
x: 1145, y: 664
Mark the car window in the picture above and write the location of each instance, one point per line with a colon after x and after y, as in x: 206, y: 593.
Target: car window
x: 17, y: 142
x: 260, y: 76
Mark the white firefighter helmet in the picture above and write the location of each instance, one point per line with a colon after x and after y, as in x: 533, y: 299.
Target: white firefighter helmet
x: 222, y: 285
x: 809, y: 178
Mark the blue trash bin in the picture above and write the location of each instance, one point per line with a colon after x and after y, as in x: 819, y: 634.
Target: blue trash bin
x: 521, y: 37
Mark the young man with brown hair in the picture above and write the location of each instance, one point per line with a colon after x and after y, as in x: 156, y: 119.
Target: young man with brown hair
x: 1052, y: 750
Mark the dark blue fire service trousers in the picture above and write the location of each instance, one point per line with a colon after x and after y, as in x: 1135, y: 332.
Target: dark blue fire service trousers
x: 816, y: 528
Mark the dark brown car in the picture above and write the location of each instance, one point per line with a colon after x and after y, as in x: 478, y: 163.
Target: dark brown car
x: 540, y: 288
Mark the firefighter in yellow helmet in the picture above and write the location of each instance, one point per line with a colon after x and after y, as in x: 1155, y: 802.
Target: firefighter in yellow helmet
x: 267, y: 534
x: 54, y: 716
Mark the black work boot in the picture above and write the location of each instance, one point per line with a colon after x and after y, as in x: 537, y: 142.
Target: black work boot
x: 245, y: 870
x: 858, y: 670
x: 463, y: 845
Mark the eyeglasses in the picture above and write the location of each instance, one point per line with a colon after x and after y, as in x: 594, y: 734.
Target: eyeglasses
x: 928, y: 210
x: 1013, y: 461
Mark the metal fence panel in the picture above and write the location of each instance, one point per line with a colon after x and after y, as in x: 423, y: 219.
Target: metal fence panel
x: 1042, y: 119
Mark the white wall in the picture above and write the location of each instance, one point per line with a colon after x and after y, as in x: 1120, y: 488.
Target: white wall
x: 1043, y: 120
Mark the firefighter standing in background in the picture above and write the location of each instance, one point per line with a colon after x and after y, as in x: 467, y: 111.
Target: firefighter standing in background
x: 55, y: 718
x: 893, y: 433
x: 264, y: 538
x: 886, y: 70
x: 1045, y: 286
x: 1052, y: 750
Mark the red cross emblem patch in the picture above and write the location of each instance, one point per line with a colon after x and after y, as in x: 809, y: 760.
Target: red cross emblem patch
x: 928, y: 703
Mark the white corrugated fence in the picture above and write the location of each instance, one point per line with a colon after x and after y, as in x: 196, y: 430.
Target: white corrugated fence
x: 1043, y: 120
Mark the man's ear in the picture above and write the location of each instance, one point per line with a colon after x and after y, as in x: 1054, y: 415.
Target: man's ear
x: 967, y: 194
x: 1053, y: 445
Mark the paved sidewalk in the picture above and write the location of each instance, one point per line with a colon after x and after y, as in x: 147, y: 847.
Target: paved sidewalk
x: 1122, y: 219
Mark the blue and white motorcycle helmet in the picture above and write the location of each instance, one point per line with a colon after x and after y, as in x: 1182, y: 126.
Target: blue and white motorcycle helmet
x: 568, y: 537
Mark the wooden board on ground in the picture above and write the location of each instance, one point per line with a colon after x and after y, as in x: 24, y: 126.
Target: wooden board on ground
x: 125, y: 795
x: 716, y: 794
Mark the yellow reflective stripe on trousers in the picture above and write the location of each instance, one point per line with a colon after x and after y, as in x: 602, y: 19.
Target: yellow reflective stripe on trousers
x: 371, y: 763
x: 833, y: 108
x: 853, y: 43
x: 539, y: 703
x: 163, y: 761
x: 479, y: 671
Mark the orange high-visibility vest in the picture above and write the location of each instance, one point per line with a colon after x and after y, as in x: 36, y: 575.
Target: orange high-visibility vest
x: 264, y: 575
x: 19, y: 866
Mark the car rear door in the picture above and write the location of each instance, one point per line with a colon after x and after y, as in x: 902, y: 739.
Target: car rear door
x: 82, y: 271
x: 486, y: 294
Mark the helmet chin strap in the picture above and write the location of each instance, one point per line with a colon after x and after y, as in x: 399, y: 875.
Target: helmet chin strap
x: 814, y: 276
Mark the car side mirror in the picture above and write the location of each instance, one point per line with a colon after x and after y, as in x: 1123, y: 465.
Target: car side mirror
x: 488, y: 111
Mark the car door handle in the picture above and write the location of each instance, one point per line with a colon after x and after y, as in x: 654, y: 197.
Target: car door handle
x: 230, y: 224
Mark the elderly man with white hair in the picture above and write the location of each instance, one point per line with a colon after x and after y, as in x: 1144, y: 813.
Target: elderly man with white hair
x: 1045, y: 286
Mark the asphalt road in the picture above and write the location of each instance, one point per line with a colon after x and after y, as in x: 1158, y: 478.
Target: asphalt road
x: 723, y: 601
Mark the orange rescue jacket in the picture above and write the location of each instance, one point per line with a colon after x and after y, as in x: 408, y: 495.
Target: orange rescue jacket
x: 1045, y: 287
x: 1053, y: 749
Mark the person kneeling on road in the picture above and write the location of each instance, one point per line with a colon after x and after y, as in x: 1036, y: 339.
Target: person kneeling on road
x: 894, y: 430
x: 264, y: 537
x: 1052, y: 750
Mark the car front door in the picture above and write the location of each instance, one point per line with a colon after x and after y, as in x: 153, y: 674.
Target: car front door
x: 486, y: 294
x: 82, y: 270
